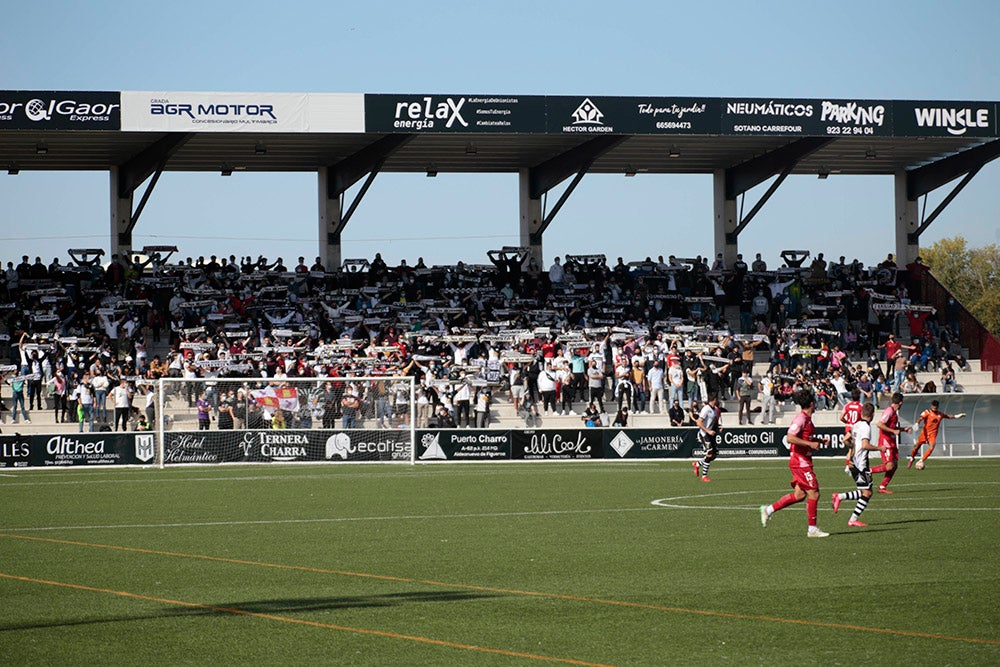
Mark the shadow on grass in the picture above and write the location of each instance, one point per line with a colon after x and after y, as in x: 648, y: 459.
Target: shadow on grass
x: 349, y: 602
x: 882, y: 527
x: 933, y: 491
x: 286, y: 606
x: 902, y: 521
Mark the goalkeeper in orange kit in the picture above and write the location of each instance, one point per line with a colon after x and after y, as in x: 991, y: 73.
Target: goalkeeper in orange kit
x: 931, y: 419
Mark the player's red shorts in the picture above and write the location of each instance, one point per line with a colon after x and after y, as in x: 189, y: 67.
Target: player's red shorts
x: 890, y: 454
x: 805, y: 479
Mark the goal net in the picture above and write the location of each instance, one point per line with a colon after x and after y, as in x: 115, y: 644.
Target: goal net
x: 263, y: 420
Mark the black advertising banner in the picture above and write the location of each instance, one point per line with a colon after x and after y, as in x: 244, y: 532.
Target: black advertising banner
x: 59, y: 110
x: 454, y: 113
x: 463, y: 445
x: 762, y: 116
x: 538, y: 444
x: 284, y: 446
x: 590, y: 115
x: 660, y: 443
x: 738, y: 442
x: 862, y: 118
x: 77, y: 449
x: 819, y: 118
x: 632, y: 115
x: 15, y: 451
x: 945, y: 119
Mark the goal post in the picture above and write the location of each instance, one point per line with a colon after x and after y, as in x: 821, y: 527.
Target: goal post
x: 270, y: 420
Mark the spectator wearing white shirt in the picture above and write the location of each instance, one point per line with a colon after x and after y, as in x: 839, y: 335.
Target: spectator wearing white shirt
x: 547, y: 388
x: 122, y: 397
x: 556, y: 273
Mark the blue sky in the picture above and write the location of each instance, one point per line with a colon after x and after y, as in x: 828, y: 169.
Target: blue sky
x: 852, y: 49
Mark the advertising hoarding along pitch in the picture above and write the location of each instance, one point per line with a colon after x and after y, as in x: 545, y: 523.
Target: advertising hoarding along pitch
x: 284, y: 446
x: 145, y: 111
x: 77, y: 449
x: 463, y: 445
x: 59, y: 110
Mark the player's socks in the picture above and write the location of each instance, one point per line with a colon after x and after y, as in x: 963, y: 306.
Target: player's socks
x: 704, y: 468
x: 888, y: 478
x: 859, y: 508
x: 812, y: 505
x: 878, y: 469
x: 783, y: 502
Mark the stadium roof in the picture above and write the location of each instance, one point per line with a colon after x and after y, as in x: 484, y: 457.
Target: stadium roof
x: 286, y: 132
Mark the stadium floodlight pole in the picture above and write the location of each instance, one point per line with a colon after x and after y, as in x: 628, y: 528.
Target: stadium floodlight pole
x: 161, y: 419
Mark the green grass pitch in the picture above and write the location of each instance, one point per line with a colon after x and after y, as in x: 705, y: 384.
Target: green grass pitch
x: 615, y: 563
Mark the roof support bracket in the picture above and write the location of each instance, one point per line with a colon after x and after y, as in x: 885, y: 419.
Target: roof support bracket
x: 358, y: 197
x: 924, y: 179
x: 554, y: 171
x: 353, y: 168
x: 732, y: 236
x: 550, y: 173
x: 153, y: 158
x: 914, y: 236
x: 145, y: 197
x: 753, y: 172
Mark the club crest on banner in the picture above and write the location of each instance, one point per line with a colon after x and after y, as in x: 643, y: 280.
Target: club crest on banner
x: 145, y: 447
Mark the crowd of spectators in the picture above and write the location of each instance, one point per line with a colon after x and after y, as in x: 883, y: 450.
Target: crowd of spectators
x: 580, y: 337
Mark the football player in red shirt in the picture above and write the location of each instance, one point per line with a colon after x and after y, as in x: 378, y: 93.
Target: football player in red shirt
x: 804, y: 483
x: 889, y: 430
x: 849, y: 417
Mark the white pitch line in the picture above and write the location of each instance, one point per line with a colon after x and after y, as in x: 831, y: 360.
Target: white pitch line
x: 265, y: 522
x: 471, y: 469
x: 665, y: 502
x: 407, y: 473
x: 748, y: 508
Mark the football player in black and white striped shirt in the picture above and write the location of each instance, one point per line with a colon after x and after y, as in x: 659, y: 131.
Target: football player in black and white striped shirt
x: 708, y: 435
x: 862, y: 444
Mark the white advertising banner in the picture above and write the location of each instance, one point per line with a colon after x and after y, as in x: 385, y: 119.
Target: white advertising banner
x: 146, y: 111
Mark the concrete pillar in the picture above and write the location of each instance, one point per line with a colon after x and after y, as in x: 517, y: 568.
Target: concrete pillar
x: 121, y: 218
x: 329, y: 222
x: 907, y: 222
x: 725, y: 221
x: 531, y: 217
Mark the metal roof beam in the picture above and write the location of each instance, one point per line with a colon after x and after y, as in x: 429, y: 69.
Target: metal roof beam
x: 554, y: 171
x: 148, y: 161
x: 350, y: 170
x: 924, y: 179
x: 753, y: 172
x: 732, y: 236
x: 914, y: 237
